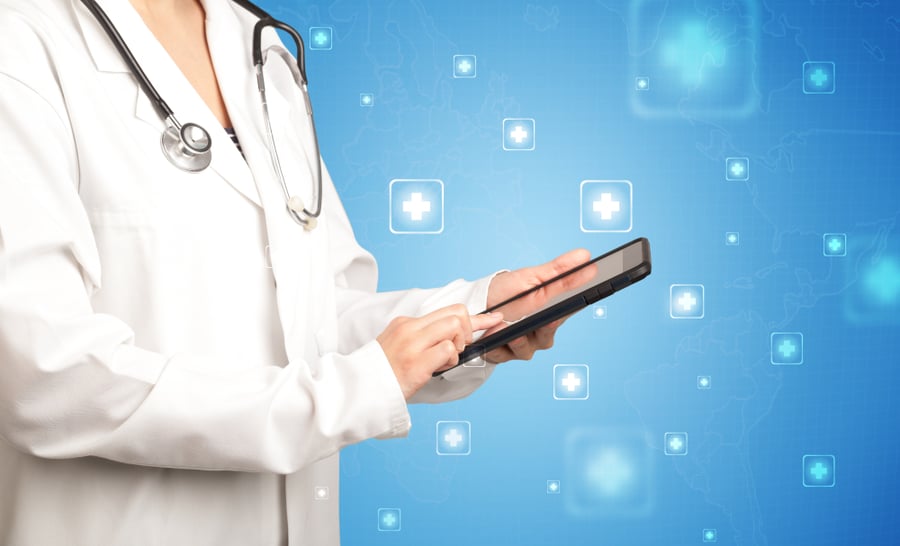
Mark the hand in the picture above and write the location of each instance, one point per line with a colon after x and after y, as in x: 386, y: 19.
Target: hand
x: 418, y: 347
x: 508, y: 284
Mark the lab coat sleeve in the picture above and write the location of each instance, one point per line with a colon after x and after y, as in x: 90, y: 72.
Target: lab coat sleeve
x: 364, y: 313
x: 73, y: 384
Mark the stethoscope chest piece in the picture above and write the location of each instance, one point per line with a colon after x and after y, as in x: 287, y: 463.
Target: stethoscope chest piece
x: 188, y: 147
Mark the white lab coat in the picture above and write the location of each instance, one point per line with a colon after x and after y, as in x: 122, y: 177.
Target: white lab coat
x: 164, y: 379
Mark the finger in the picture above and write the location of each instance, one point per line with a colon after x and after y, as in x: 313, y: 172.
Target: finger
x: 558, y: 265
x: 543, y: 336
x: 451, y: 327
x: 486, y: 321
x: 442, y: 356
x: 498, y: 355
x: 522, y: 348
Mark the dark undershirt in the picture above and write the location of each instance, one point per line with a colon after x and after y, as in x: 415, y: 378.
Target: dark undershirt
x: 234, y: 138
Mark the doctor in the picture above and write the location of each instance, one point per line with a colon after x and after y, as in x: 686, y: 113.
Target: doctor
x: 180, y: 359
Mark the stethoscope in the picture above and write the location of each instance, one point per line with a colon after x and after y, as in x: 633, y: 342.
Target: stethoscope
x: 188, y: 146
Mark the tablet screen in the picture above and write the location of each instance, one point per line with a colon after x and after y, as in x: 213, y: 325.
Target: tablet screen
x: 595, y: 272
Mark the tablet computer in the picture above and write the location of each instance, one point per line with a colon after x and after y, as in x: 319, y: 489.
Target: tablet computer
x: 563, y: 295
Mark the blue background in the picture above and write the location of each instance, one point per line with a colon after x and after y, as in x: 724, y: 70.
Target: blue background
x: 725, y: 81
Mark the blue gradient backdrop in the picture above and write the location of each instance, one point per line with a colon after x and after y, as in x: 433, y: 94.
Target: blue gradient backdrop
x: 726, y: 80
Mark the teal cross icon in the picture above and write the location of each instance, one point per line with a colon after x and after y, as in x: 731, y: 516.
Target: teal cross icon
x: 819, y: 77
x: 389, y: 519
x: 819, y: 471
x: 834, y: 244
x: 787, y: 348
x: 320, y: 38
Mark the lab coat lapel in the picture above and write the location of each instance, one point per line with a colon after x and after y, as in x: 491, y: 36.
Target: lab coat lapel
x: 171, y: 84
x: 230, y: 31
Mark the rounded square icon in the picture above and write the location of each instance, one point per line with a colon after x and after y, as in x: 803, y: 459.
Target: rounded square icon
x: 453, y: 437
x: 518, y: 134
x: 787, y: 348
x: 416, y: 206
x: 732, y: 238
x: 834, y: 245
x: 606, y: 206
x: 388, y: 519
x: 366, y: 99
x: 642, y: 83
x: 818, y: 471
x: 686, y: 301
x: 737, y: 168
x: 571, y: 382
x: 553, y: 487
x: 465, y: 66
x: 704, y: 382
x: 320, y: 492
x: 818, y: 77
x: 676, y: 443
x: 320, y: 38
x: 710, y: 535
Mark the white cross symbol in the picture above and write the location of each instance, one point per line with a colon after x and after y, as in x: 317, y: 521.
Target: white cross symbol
x: 571, y: 381
x: 676, y: 444
x: 687, y: 301
x: 606, y: 206
x: 453, y: 437
x: 518, y: 134
x: 464, y: 65
x: 737, y: 168
x: 416, y: 206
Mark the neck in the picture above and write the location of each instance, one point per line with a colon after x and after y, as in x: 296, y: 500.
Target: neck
x: 155, y: 6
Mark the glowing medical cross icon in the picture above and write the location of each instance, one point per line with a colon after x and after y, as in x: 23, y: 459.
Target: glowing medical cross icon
x: 606, y: 206
x: 819, y: 77
x: 453, y: 437
x: 687, y: 301
x: 416, y: 206
x: 709, y: 535
x: 787, y: 348
x: 464, y: 65
x: 320, y: 38
x: 519, y: 134
x: 819, y: 471
x: 834, y: 244
x: 553, y: 486
x: 571, y: 382
x: 389, y: 519
x: 737, y: 169
x: 676, y: 444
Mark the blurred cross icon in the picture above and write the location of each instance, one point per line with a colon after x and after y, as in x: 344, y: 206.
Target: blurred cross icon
x: 320, y: 38
x: 819, y: 77
x: 389, y: 519
x: 710, y: 535
x: 737, y: 169
x: 819, y: 471
x: 687, y: 301
x: 416, y: 206
x: 571, y: 382
x: 676, y: 444
x: 453, y: 437
x: 519, y: 134
x: 834, y: 244
x: 464, y: 65
x: 606, y: 206
x: 787, y: 348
